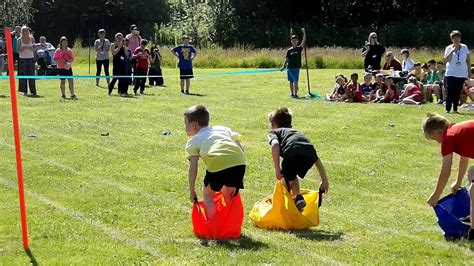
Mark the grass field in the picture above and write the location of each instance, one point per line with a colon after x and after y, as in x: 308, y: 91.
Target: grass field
x: 123, y: 199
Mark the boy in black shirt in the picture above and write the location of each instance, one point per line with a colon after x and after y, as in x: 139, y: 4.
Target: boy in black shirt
x: 297, y: 152
x: 293, y: 62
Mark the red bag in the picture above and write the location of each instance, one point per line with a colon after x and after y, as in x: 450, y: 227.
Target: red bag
x: 227, y: 222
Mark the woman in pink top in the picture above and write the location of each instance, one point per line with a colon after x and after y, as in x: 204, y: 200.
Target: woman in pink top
x: 134, y: 40
x: 64, y: 57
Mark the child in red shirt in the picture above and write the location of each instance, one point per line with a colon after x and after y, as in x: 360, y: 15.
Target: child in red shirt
x: 412, y: 93
x: 142, y: 55
x: 454, y: 138
x: 355, y: 90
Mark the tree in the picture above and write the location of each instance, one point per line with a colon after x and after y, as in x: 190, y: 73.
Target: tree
x: 20, y: 12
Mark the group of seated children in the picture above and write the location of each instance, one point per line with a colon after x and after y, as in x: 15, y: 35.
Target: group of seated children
x: 425, y: 83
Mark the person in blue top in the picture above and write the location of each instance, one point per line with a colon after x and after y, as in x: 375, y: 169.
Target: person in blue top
x: 186, y: 54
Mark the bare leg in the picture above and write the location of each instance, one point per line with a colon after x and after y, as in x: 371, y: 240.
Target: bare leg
x: 208, y: 200
x: 182, y: 85
x: 63, y: 87
x: 296, y: 88
x: 295, y: 186
x: 470, y: 177
x: 188, y: 84
x: 228, y: 193
x: 71, y: 86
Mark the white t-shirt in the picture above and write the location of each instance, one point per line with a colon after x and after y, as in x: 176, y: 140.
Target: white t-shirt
x: 457, y: 67
x: 408, y: 65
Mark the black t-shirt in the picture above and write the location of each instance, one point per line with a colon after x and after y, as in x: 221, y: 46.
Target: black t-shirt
x: 292, y: 143
x: 374, y: 56
x: 294, y: 57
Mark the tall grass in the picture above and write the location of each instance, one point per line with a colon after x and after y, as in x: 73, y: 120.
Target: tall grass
x: 318, y: 57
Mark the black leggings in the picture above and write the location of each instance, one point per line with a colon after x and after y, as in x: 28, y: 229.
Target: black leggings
x: 99, y: 64
x: 454, y: 87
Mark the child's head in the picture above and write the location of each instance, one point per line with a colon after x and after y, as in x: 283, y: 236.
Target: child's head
x: 440, y: 65
x: 186, y: 39
x: 281, y: 117
x: 143, y: 43
x: 405, y: 53
x: 433, y: 126
x: 368, y: 78
x: 379, y: 78
x: 354, y: 77
x: 472, y: 70
x: 294, y: 40
x: 195, y: 118
x: 425, y: 67
x: 340, y: 80
x: 63, y: 42
x: 417, y: 67
x: 388, y: 81
x: 412, y: 79
x: 431, y: 64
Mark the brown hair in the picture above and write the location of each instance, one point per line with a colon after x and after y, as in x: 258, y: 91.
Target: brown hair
x: 198, y: 114
x: 281, y: 117
x: 434, y: 122
x: 455, y: 33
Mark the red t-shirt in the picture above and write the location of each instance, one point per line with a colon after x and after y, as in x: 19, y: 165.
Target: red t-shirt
x: 142, y: 61
x: 459, y: 138
x: 414, y: 90
x: 357, y: 90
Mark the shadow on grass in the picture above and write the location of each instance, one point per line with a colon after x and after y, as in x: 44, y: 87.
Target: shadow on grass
x: 317, y: 235
x: 244, y: 243
x: 195, y: 94
x: 3, y: 96
x: 33, y: 96
x: 33, y: 260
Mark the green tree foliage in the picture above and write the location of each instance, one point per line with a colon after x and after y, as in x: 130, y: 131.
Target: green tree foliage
x: 16, y: 13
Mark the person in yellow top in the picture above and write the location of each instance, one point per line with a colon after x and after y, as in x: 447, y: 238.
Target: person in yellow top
x: 220, y: 149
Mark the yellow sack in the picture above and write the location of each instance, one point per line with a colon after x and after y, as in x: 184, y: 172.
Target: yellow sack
x: 278, y: 211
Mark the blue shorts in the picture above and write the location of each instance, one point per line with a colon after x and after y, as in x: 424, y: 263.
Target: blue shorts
x: 293, y: 74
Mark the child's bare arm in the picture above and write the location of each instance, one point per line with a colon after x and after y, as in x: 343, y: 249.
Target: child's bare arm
x: 193, y: 169
x: 303, y: 42
x: 276, y: 158
x: 240, y: 145
x: 463, y: 164
x: 324, y: 178
x: 442, y: 179
x: 284, y: 63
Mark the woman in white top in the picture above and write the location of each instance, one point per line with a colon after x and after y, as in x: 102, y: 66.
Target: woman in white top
x: 26, y: 64
x: 458, y: 63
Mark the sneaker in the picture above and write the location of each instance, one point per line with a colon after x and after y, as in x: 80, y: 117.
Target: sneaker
x: 300, y: 202
x: 142, y: 92
x: 74, y: 97
x: 136, y: 93
x: 187, y: 92
x: 182, y: 91
x: 64, y: 96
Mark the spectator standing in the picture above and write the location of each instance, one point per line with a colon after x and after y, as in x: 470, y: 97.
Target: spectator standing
x: 102, y: 47
x: 372, y: 52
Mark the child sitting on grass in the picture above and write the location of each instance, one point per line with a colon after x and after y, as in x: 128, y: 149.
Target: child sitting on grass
x: 297, y: 152
x: 454, y: 138
x: 355, y: 90
x: 412, y: 93
x: 222, y: 153
x: 367, y: 86
x: 340, y: 92
x: 387, y: 93
x: 378, y: 85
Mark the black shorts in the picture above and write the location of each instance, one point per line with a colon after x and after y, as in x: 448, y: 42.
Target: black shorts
x: 230, y: 177
x: 186, y: 73
x: 64, y: 72
x: 296, y: 166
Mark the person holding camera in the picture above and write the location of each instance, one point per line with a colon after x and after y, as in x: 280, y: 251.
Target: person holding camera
x: 155, y: 68
x: 372, y: 52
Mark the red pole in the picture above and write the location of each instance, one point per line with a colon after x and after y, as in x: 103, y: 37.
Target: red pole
x: 16, y: 131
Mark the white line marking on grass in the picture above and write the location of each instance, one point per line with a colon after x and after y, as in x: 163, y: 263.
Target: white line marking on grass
x: 100, y: 180
x: 78, y: 140
x: 113, y: 233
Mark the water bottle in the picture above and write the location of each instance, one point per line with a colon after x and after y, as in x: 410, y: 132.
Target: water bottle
x: 392, y: 72
x: 435, y: 98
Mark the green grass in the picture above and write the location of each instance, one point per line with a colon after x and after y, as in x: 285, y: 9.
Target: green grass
x: 123, y: 199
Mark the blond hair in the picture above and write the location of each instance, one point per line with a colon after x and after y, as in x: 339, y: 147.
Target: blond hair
x: 433, y: 122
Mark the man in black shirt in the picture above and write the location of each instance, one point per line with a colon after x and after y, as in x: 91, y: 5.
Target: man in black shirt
x: 293, y: 62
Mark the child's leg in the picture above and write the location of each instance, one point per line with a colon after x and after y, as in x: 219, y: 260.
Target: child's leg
x: 292, y: 88
x: 188, y: 84
x: 62, y: 85
x: 208, y: 200
x: 228, y: 193
x: 409, y: 100
x: 470, y: 177
x: 296, y: 89
x: 182, y: 85
x: 295, y: 186
x: 71, y: 86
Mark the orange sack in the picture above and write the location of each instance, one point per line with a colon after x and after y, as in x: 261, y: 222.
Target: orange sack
x: 227, y: 222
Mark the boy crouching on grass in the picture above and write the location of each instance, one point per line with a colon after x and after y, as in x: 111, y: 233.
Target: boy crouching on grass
x: 454, y: 138
x: 222, y: 153
x: 297, y: 152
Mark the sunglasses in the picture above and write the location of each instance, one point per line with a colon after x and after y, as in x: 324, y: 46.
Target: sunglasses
x: 374, y: 37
